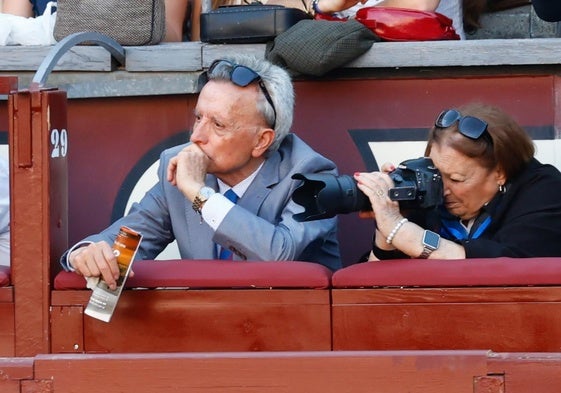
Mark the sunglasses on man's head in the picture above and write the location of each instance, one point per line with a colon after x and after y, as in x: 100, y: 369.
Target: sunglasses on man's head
x: 241, y: 76
x: 469, y: 126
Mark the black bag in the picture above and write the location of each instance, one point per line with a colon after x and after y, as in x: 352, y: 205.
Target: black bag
x: 248, y: 24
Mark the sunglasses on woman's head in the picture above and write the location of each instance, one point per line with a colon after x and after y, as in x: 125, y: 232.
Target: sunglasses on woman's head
x: 469, y: 126
x: 241, y: 76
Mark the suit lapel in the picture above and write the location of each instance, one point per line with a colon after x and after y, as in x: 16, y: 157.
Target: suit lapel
x: 200, y: 235
x: 260, y: 187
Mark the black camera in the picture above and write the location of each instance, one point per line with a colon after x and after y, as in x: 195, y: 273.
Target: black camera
x: 418, y: 185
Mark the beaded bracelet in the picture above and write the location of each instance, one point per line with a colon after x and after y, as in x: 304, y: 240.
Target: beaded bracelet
x: 392, y: 234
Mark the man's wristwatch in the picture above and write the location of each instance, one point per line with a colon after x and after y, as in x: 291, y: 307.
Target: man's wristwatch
x: 431, y: 241
x: 201, y: 198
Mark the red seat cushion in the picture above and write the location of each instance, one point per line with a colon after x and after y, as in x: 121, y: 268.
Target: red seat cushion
x: 216, y: 274
x: 4, y: 276
x: 450, y: 273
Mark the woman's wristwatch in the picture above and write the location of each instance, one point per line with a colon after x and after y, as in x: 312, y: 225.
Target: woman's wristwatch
x: 431, y: 242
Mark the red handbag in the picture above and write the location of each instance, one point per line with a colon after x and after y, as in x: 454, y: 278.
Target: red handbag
x: 404, y: 24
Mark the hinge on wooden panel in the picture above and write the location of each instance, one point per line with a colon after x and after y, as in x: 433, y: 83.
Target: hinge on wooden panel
x: 492, y: 383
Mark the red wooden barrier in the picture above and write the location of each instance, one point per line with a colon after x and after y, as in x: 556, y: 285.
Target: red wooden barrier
x: 291, y: 372
x: 38, y: 140
x: 247, y: 306
x: 13, y: 371
x: 500, y: 304
x: 527, y: 372
x: 7, y: 327
x: 8, y: 84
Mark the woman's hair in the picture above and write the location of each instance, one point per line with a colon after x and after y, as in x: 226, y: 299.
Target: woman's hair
x: 279, y: 86
x: 505, y: 144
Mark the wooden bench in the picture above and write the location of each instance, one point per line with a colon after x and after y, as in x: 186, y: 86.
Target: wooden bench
x: 211, y: 306
x: 502, y: 304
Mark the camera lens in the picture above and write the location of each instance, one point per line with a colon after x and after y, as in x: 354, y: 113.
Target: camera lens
x: 325, y: 195
x: 418, y: 185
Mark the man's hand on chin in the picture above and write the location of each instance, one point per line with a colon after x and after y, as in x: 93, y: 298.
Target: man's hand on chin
x: 187, y: 170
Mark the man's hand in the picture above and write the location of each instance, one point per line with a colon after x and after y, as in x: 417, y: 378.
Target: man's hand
x: 187, y: 170
x: 96, y: 260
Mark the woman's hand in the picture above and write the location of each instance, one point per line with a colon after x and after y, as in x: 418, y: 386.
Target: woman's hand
x: 376, y: 185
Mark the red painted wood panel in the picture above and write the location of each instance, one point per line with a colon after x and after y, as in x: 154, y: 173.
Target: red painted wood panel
x: 198, y: 320
x: 528, y: 372
x: 305, y: 372
x: 500, y: 319
x: 38, y: 210
x: 7, y: 329
x: 13, y: 371
x: 67, y: 329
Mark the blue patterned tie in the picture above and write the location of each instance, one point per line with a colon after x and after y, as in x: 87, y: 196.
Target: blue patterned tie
x: 224, y: 252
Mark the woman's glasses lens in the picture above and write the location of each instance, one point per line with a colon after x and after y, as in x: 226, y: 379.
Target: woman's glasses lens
x: 472, y: 127
x: 469, y: 126
x: 447, y: 118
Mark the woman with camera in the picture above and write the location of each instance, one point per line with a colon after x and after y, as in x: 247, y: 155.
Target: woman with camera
x: 498, y: 200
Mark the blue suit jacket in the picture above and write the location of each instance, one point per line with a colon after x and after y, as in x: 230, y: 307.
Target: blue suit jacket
x: 259, y: 227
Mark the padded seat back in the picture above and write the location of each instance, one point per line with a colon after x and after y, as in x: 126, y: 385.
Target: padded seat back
x: 490, y: 272
x: 216, y: 274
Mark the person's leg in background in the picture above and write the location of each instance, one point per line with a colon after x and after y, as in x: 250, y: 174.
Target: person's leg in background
x: 17, y: 7
x: 177, y: 12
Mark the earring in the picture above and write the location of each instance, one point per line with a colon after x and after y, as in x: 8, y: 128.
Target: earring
x: 502, y: 188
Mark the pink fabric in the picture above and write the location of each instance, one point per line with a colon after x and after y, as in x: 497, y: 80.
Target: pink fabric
x: 5, y: 276
x: 216, y: 274
x: 450, y: 273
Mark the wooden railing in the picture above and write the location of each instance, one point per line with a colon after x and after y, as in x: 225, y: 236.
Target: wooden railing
x: 501, y: 304
x: 290, y: 372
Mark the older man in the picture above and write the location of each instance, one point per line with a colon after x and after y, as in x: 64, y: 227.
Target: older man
x: 241, y: 143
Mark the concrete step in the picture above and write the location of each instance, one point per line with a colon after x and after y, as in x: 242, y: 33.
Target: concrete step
x: 519, y: 22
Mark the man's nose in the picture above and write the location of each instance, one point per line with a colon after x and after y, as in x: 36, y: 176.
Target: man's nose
x: 199, y: 134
